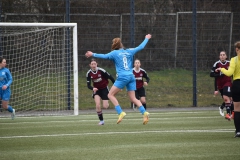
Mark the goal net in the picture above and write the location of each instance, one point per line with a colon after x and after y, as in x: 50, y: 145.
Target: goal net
x: 42, y: 58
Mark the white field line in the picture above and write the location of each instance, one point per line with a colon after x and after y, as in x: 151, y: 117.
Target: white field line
x: 111, y: 114
x: 108, y: 119
x: 111, y: 133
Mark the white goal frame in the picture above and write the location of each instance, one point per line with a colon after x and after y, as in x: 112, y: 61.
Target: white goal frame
x: 75, y: 50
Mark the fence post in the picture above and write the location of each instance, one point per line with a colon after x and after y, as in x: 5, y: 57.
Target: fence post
x: 1, y: 49
x: 194, y: 36
x: 69, y: 55
x: 132, y: 30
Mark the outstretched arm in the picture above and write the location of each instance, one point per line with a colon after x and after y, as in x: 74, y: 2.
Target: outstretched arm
x: 143, y: 44
x: 230, y: 70
x: 96, y: 55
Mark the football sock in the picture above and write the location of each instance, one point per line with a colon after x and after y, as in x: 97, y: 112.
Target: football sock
x: 237, y: 121
x: 145, y: 106
x: 232, y: 107
x: 100, y: 115
x: 228, y: 105
x: 142, y: 109
x: 118, y: 109
x: 223, y: 105
x: 10, y: 109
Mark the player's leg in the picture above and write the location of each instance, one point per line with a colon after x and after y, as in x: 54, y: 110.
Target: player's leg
x: 237, y: 118
x: 227, y: 100
x: 143, y: 101
x: 221, y: 109
x: 223, y: 104
x: 228, y: 107
x: 97, y: 100
x: 103, y: 93
x: 131, y: 87
x: 137, y: 96
x: 111, y: 95
x: 236, y: 101
x: 104, y: 96
x: 232, y: 109
x: 5, y: 99
x: 142, y: 96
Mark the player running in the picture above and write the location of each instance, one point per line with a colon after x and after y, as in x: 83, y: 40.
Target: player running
x: 5, y: 82
x: 139, y: 74
x: 223, y: 83
x: 99, y: 77
x: 123, y: 59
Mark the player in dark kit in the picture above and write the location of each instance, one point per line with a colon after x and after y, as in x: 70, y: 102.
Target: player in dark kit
x: 140, y: 74
x: 223, y: 83
x: 99, y: 77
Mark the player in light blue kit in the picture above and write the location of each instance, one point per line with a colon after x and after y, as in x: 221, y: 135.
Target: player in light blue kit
x: 5, y: 82
x: 123, y: 60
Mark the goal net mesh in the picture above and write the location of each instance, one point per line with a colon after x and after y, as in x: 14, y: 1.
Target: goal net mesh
x: 41, y: 62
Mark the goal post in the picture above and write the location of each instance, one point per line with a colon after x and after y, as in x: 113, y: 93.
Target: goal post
x: 43, y: 60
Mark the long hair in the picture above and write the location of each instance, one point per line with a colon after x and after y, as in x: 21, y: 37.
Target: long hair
x: 116, y: 44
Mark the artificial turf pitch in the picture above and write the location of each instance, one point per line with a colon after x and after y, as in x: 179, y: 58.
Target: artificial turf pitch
x: 172, y: 135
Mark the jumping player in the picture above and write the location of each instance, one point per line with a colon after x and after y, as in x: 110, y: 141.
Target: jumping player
x: 123, y: 59
x: 223, y: 83
x: 99, y: 77
x: 139, y: 74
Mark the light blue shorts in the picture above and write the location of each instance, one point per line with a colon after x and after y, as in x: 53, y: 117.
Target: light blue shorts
x: 128, y: 81
x: 5, y: 94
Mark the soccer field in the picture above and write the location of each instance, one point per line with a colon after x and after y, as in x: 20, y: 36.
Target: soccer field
x: 170, y: 134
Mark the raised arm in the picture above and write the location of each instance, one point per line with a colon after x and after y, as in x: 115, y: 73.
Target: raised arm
x: 142, y: 45
x: 97, y: 55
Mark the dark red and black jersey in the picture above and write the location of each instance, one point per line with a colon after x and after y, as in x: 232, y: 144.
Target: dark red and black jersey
x: 99, y: 78
x: 139, y: 75
x: 221, y: 79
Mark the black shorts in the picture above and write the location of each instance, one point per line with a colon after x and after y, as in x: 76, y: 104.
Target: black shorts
x: 103, y: 93
x: 236, y: 90
x: 140, y: 93
x: 226, y: 91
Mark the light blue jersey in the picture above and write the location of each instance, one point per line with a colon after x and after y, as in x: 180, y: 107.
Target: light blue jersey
x: 123, y: 58
x: 5, y: 77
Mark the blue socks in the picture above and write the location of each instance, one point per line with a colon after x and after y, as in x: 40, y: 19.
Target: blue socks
x: 142, y: 109
x: 118, y: 109
x: 10, y: 109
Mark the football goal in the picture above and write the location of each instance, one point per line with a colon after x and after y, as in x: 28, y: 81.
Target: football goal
x: 42, y: 58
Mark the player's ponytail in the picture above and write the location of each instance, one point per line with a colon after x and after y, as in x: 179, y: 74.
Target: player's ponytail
x: 116, y: 44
